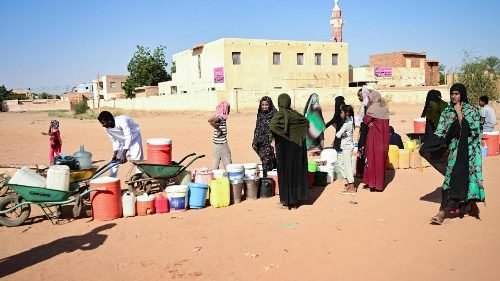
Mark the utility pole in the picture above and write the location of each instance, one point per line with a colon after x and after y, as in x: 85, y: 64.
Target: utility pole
x: 98, y: 90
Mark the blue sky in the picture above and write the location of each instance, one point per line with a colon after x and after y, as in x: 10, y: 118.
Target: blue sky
x: 52, y: 45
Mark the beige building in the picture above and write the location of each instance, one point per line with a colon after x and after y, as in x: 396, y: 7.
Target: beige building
x: 230, y: 64
x: 109, y: 87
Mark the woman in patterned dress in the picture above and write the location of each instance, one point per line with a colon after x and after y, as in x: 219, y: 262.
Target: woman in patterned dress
x: 459, y: 130
x: 261, y: 142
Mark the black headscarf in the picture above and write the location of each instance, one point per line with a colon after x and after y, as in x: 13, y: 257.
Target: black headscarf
x: 288, y: 123
x: 336, y: 120
x: 261, y: 133
x: 432, y: 95
x: 462, y: 90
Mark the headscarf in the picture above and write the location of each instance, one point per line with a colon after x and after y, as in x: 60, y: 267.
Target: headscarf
x: 375, y: 108
x: 432, y: 95
x: 54, y: 124
x: 462, y: 90
x: 222, y: 110
x: 287, y: 122
x: 260, y: 135
x: 313, y: 113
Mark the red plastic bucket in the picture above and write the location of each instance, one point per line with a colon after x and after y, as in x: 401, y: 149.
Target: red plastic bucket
x: 492, y: 140
x: 310, y: 179
x: 419, y: 125
x: 159, y: 151
x: 106, y: 203
x: 161, y: 203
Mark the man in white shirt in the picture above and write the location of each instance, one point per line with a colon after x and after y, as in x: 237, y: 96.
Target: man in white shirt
x: 488, y: 116
x: 125, y: 136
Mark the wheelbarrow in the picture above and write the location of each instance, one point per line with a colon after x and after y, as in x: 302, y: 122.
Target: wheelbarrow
x: 15, y: 208
x: 156, y: 175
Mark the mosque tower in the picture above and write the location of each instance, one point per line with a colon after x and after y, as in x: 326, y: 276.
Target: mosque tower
x: 336, y: 23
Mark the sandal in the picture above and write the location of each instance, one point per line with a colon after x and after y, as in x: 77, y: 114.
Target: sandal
x: 436, y: 221
x: 348, y: 192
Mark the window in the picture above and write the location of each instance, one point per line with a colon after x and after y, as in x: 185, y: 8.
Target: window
x: 300, y: 58
x: 236, y: 58
x: 335, y: 59
x: 317, y: 58
x: 123, y: 84
x: 112, y: 84
x: 276, y: 58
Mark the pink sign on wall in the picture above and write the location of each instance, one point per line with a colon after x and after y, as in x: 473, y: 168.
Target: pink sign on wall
x: 219, y: 75
x: 383, y: 71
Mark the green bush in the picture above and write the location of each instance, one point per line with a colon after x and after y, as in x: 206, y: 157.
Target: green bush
x: 81, y: 107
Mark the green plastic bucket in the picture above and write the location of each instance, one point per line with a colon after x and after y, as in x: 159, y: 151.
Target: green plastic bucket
x: 312, y: 167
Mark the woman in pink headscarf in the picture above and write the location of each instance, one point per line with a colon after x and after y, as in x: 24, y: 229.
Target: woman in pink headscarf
x: 376, y: 148
x: 221, y: 147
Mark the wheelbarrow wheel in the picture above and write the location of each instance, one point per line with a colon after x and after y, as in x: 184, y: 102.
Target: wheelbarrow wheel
x: 3, y: 186
x: 15, y: 217
x: 140, y: 184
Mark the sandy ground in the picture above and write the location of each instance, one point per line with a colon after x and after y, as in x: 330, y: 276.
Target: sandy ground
x: 368, y: 236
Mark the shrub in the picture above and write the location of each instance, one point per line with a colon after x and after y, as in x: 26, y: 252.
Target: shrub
x: 81, y: 107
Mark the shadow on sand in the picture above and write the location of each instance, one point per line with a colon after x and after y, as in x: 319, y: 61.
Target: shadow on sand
x: 85, y: 242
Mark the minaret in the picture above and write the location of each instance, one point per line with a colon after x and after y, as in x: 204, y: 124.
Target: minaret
x: 336, y: 23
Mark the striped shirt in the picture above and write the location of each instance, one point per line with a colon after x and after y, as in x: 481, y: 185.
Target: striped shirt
x: 220, y: 137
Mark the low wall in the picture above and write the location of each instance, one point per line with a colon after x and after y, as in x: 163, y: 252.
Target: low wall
x: 34, y: 105
x: 244, y: 100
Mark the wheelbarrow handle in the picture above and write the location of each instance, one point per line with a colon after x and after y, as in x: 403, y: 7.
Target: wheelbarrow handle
x: 104, y: 169
x: 190, y: 162
x: 185, y: 157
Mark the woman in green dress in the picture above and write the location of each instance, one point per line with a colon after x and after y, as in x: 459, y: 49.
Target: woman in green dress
x: 315, y: 135
x: 458, y: 136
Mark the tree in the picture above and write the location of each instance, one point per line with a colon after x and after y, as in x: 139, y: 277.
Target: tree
x: 4, y: 93
x: 475, y: 75
x: 146, y: 68
x: 442, y: 74
x: 492, y: 64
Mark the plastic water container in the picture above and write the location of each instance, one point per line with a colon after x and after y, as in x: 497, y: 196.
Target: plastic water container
x: 145, y: 205
x: 329, y: 170
x: 410, y: 145
x: 312, y: 166
x: 106, y: 201
x: 161, y: 203
x: 419, y: 125
x: 492, y: 140
x: 84, y: 158
x: 58, y: 177
x: 274, y: 176
x: 330, y: 155
x: 415, y: 160
x: 197, y: 195
x: 128, y: 204
x: 250, y: 171
x: 235, y: 173
x: 203, y: 175
x: 484, y: 151
x: 251, y: 189
x: 177, y: 197
x: 219, y: 173
x: 266, y: 187
x: 393, y: 160
x: 219, y: 192
x: 28, y: 177
x: 159, y: 151
x: 404, y: 159
x: 236, y: 191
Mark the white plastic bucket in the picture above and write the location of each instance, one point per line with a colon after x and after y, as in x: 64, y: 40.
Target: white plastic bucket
x: 235, y: 172
x: 177, y: 197
x: 58, y: 177
x: 219, y: 173
x: 250, y: 171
